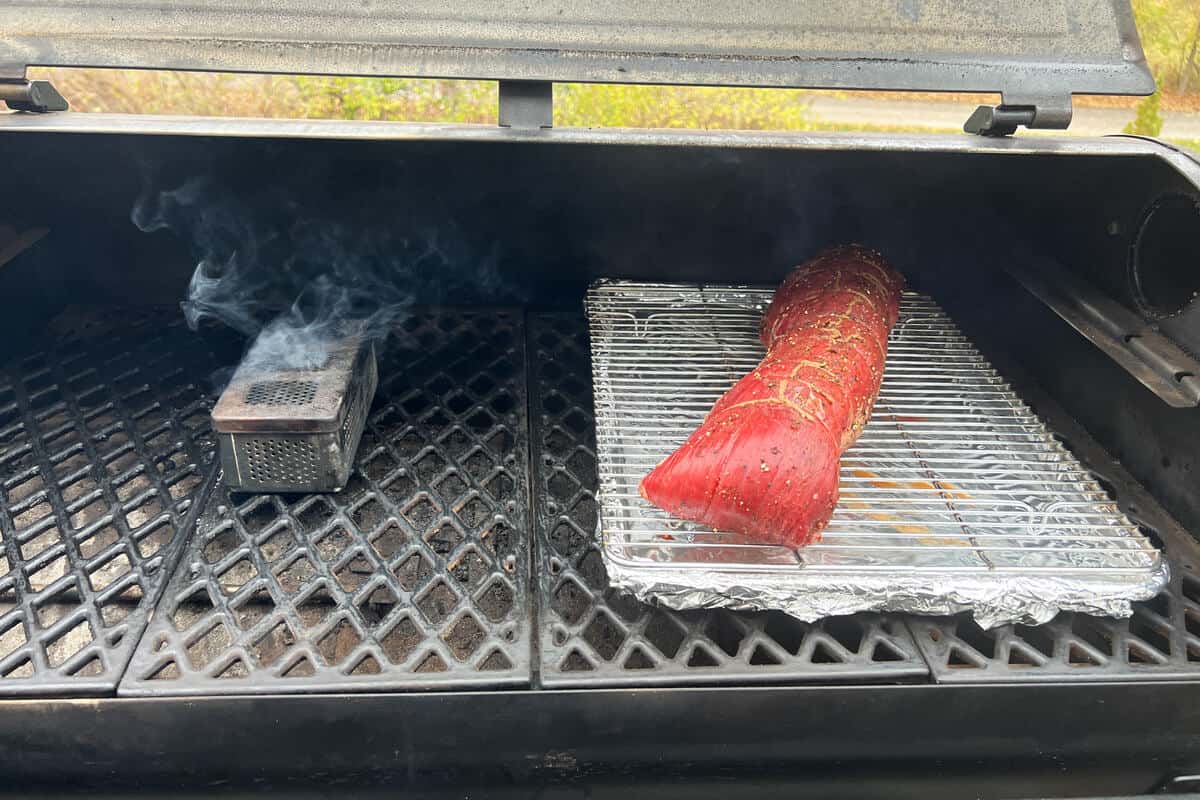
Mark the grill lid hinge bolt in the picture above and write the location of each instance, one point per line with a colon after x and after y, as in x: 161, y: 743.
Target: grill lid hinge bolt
x: 35, y: 96
x: 526, y: 104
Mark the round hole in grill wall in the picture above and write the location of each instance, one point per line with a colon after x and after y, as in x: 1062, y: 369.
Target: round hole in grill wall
x: 1164, y: 260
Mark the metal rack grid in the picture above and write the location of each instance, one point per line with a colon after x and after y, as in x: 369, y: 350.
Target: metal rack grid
x: 592, y: 635
x: 954, y: 475
x: 415, y: 576
x: 105, y: 449
x: 96, y: 405
x: 1160, y: 641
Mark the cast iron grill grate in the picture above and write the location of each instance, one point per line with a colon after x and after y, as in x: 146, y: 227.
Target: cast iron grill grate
x: 104, y: 453
x: 1161, y: 641
x: 592, y: 635
x: 414, y: 576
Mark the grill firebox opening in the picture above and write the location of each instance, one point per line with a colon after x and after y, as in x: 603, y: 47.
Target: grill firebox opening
x: 1164, y: 260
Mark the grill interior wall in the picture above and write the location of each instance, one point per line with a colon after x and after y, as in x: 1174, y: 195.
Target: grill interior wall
x: 559, y: 215
x: 567, y: 213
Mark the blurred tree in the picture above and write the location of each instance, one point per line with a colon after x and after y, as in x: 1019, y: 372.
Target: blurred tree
x: 1170, y: 33
x: 1187, y: 68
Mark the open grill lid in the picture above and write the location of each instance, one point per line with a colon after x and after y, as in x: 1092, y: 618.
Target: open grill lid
x: 1035, y: 52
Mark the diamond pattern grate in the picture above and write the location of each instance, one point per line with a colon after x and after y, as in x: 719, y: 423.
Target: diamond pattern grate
x: 1161, y: 641
x: 593, y: 635
x: 414, y: 576
x: 104, y: 453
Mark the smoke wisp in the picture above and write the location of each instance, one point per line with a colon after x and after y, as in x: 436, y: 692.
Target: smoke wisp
x: 293, y: 275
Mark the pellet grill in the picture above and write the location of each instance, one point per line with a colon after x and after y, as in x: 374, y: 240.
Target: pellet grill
x: 445, y: 621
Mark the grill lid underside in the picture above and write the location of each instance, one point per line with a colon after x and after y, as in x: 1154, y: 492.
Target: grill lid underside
x: 1027, y: 50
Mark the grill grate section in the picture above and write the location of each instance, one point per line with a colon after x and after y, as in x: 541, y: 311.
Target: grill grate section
x: 955, y: 488
x: 104, y: 453
x: 1161, y: 641
x: 593, y: 635
x: 414, y: 576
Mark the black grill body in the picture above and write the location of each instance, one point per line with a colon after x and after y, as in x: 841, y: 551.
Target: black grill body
x: 445, y: 620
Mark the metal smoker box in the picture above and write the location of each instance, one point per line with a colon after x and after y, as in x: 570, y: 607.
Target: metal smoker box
x: 296, y: 430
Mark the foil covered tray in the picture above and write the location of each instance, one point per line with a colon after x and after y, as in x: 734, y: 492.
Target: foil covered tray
x: 956, y: 497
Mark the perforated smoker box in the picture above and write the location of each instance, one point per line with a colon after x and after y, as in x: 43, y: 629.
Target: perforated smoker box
x: 296, y: 430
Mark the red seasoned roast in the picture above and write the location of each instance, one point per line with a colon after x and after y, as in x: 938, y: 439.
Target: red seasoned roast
x: 764, y: 462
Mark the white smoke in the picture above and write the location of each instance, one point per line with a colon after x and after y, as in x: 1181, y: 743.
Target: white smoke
x: 293, y: 278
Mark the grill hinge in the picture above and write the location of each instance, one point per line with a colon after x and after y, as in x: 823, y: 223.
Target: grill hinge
x: 36, y: 96
x: 526, y: 104
x: 1052, y: 111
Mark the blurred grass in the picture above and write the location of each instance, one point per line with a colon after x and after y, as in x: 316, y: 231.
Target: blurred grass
x: 591, y: 105
x: 311, y: 97
x: 130, y: 91
x: 422, y: 100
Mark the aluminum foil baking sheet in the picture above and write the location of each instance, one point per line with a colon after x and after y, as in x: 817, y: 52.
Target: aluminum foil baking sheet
x: 956, y: 497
